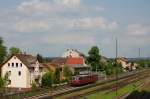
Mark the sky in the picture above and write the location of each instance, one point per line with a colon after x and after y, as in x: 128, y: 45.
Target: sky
x: 49, y: 27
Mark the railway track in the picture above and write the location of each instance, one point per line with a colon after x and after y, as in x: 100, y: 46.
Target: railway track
x: 130, y: 77
x: 112, y: 87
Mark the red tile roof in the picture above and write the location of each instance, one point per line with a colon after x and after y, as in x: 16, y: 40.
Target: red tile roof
x: 75, y: 61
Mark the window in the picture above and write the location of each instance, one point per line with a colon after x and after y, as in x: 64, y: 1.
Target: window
x: 12, y: 64
x: 9, y: 82
x: 8, y: 64
x: 16, y: 64
x: 20, y: 64
x: 9, y: 72
x: 19, y: 73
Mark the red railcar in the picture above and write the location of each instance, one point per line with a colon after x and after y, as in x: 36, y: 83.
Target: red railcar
x: 84, y: 79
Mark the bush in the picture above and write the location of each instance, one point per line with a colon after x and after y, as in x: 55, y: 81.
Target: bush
x: 34, y: 86
x: 47, y: 80
x: 67, y: 73
x: 1, y: 82
x: 56, y: 76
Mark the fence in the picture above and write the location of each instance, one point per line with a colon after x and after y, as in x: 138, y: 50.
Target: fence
x: 9, y: 94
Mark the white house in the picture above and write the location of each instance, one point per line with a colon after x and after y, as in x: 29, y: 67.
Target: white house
x: 23, y: 71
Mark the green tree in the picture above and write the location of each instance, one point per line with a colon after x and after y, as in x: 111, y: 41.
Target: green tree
x: 3, y: 51
x: 56, y: 76
x: 109, y: 68
x: 14, y: 50
x: 67, y: 73
x: 94, y: 58
x: 47, y: 79
x: 117, y: 68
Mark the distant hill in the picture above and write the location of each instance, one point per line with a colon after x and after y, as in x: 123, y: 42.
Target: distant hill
x: 137, y: 59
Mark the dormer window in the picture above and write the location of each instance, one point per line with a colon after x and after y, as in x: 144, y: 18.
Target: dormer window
x: 16, y: 64
x: 12, y: 64
x: 20, y: 64
x: 8, y: 64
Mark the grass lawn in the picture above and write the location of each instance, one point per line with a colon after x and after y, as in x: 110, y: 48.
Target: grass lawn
x: 112, y: 95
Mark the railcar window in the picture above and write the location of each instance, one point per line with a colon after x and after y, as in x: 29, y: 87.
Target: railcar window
x: 80, y: 78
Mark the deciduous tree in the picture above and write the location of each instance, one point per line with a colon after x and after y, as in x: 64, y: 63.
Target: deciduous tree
x: 94, y: 58
x: 14, y: 50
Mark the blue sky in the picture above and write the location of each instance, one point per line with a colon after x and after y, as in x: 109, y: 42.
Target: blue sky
x: 49, y: 27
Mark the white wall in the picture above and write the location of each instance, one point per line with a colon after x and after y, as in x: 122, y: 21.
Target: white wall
x: 21, y: 81
x: 70, y: 52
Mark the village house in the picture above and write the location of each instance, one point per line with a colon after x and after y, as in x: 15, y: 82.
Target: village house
x: 23, y: 70
x: 127, y: 65
x: 73, y: 53
x: 71, y: 58
x: 76, y: 61
x: 57, y: 63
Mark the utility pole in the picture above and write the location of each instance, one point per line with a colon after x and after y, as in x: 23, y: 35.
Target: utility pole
x: 116, y: 67
x: 139, y: 52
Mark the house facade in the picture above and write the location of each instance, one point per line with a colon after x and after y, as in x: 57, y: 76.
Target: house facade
x: 72, y: 53
x: 127, y: 65
x: 23, y: 70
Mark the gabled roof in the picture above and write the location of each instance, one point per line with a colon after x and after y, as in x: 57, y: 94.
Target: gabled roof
x: 28, y: 60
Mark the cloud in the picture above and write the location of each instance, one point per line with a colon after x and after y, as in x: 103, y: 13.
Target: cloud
x: 64, y: 24
x: 68, y: 3
x: 94, y: 22
x: 55, y: 23
x: 27, y: 25
x: 75, y: 39
x: 138, y: 29
x: 48, y: 7
x: 34, y: 6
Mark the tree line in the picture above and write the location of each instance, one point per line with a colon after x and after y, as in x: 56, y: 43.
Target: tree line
x: 4, y: 53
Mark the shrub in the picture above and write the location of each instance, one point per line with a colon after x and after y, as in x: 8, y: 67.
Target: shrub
x: 34, y: 86
x: 47, y: 80
x: 67, y: 73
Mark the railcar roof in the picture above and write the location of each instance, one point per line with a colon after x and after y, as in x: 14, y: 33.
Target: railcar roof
x: 83, y: 75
